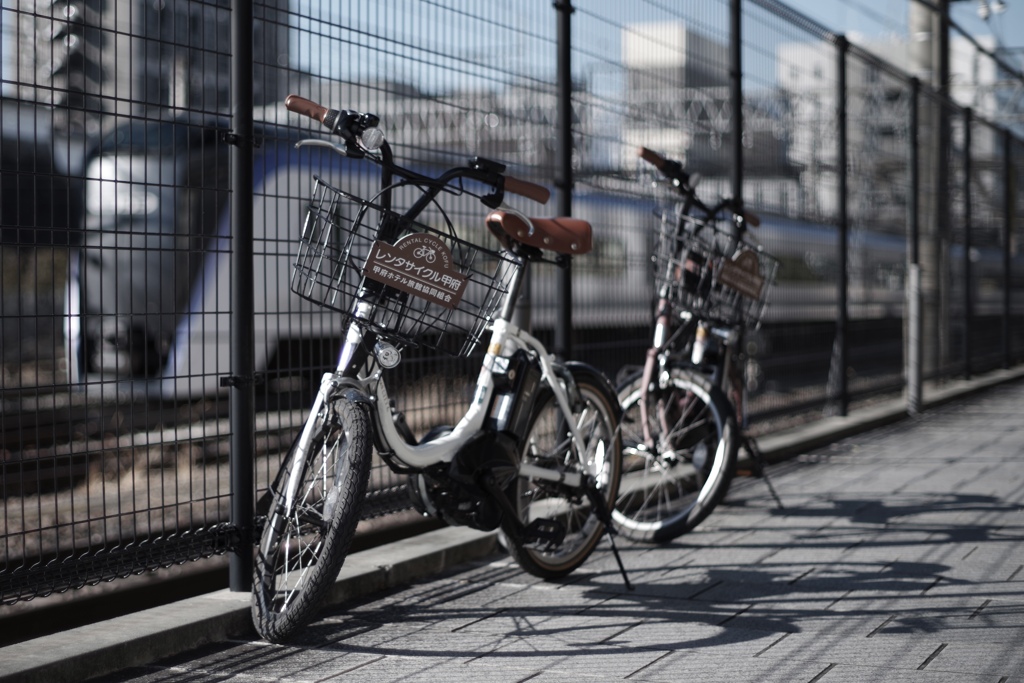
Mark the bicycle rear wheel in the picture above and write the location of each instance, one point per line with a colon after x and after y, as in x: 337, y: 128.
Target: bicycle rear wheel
x: 313, y: 515
x: 670, y: 486
x: 548, y: 443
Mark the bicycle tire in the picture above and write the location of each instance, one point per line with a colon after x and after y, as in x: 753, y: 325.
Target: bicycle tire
x: 313, y: 515
x: 547, y: 442
x: 670, y: 489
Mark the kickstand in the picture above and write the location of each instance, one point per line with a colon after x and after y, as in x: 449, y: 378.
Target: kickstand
x: 605, y: 515
x: 761, y: 467
x: 615, y: 551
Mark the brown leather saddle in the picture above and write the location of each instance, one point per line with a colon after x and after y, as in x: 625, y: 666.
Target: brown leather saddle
x: 561, y: 235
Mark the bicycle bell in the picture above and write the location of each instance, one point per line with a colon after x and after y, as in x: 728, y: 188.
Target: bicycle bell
x: 371, y: 139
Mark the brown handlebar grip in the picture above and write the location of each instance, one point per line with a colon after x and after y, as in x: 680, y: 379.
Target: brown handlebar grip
x: 525, y: 188
x: 300, y: 105
x: 751, y: 218
x: 652, y: 157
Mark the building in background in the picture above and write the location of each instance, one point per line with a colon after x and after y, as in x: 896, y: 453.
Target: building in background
x: 89, y: 58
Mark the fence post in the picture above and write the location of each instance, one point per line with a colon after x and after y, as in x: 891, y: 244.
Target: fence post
x: 563, y: 173
x: 839, y: 393
x: 913, y: 284
x: 968, y: 299
x: 241, y: 401
x: 736, y: 95
x: 1008, y: 191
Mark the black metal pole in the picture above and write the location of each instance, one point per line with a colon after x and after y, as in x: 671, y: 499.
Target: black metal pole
x: 1008, y: 189
x: 941, y: 329
x: 968, y: 285
x: 563, y: 173
x: 841, y: 349
x: 736, y: 95
x: 241, y: 402
x: 913, y: 285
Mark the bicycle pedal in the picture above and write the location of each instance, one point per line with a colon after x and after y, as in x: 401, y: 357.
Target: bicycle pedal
x: 543, y: 534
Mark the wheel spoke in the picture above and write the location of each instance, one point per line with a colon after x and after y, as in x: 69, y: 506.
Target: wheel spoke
x: 688, y: 471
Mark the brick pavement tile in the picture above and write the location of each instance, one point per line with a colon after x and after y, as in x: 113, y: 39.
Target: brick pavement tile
x: 804, y: 622
x: 1002, y: 544
x: 1003, y: 590
x: 707, y: 667
x: 813, y: 550
x: 432, y: 670
x: 962, y: 604
x: 439, y: 641
x: 847, y: 643
x: 604, y: 662
x: 681, y: 635
x: 741, y: 552
x: 247, y: 662
x: 1001, y: 656
x: 514, y: 660
x: 643, y: 608
x: 787, y: 616
x: 881, y: 548
x: 982, y: 572
x: 151, y: 675
x: 421, y: 607
x: 345, y: 633
x: 991, y: 618
x: 329, y: 632
x: 472, y: 584
x: 823, y: 586
x: 852, y: 673
x: 559, y: 630
x: 752, y: 592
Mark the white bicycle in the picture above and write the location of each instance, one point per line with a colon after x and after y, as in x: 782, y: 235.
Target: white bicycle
x: 537, y: 454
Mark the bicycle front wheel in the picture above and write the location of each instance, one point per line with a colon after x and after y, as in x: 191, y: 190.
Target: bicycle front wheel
x: 671, y: 484
x: 313, y: 515
x: 549, y: 444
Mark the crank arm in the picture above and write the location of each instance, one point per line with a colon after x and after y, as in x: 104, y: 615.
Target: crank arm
x: 570, y: 479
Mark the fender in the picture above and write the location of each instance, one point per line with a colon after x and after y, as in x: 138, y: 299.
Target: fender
x: 351, y: 390
x: 599, y: 380
x: 347, y: 390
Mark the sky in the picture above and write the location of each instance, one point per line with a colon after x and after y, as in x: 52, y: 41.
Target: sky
x: 878, y: 18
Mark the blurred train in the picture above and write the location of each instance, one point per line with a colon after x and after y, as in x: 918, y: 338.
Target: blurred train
x: 149, y: 292
x: 613, y: 286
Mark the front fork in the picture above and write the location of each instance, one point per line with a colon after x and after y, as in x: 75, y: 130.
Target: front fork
x: 652, y: 364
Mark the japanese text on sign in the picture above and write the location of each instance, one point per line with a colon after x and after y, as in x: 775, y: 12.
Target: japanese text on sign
x: 419, y: 264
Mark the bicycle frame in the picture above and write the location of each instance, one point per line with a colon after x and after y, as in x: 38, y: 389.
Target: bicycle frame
x: 680, y: 337
x: 373, y: 390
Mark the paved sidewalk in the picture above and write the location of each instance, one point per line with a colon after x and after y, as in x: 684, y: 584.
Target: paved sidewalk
x: 898, y: 557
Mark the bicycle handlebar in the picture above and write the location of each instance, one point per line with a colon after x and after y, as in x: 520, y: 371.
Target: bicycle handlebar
x: 673, y: 170
x: 350, y: 125
x: 524, y: 188
x: 300, y: 105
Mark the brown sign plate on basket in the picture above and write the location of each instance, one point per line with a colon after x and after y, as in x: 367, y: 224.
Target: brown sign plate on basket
x: 743, y: 274
x: 419, y: 264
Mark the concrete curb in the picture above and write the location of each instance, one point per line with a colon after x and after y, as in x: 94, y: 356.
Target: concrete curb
x: 790, y: 442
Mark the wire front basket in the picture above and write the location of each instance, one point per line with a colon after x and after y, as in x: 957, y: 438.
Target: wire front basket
x: 424, y: 288
x: 702, y: 270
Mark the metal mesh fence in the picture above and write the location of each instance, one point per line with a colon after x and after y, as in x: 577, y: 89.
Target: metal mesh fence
x: 117, y: 235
